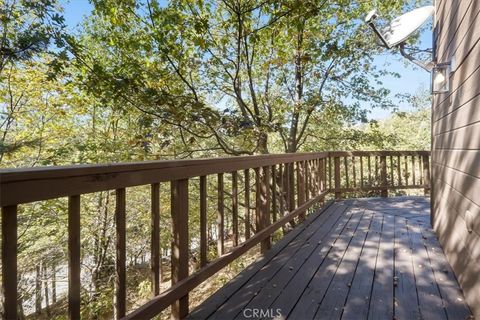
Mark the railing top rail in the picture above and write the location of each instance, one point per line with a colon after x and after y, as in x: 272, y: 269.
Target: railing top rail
x: 24, y: 185
x: 17, y: 174
x: 378, y: 153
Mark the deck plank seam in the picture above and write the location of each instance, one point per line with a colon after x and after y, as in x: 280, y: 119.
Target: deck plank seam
x: 261, y: 262
x: 300, y: 238
x: 306, y: 240
x: 341, y: 259
x: 336, y: 234
x: 316, y: 272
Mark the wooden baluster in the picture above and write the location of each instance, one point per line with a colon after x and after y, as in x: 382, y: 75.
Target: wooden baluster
x: 369, y: 163
x: 413, y: 170
x: 282, y: 190
x: 264, y: 197
x: 330, y: 176
x: 313, y: 178
x: 399, y: 171
x: 179, y: 212
x: 287, y: 187
x: 314, y: 175
x: 325, y: 172
x: 426, y: 175
x: 220, y: 216
x: 274, y: 193
x: 306, y: 180
x: 406, y: 171
x: 311, y: 173
x: 321, y: 174
x: 120, y: 244
x: 383, y: 176
x: 338, y: 194
x: 155, y: 239
x: 361, y: 172
x: 247, y: 204
x: 235, y: 208
x: 291, y: 186
x: 203, y: 222
x: 345, y: 162
x: 301, y: 188
x: 376, y: 170
x: 258, y: 216
x: 354, y: 173
x: 392, y: 182
x: 420, y: 171
x: 9, y: 261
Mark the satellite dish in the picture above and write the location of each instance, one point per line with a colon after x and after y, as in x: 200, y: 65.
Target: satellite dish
x: 398, y: 31
x: 402, y: 27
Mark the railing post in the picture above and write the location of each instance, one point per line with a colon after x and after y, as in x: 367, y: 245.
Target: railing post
x: 338, y: 194
x: 321, y: 176
x: 120, y: 265
x: 383, y: 176
x: 9, y: 262
x: 274, y: 193
x: 155, y: 238
x: 301, y: 187
x: 203, y: 221
x: 220, y: 215
x: 281, y: 193
x: 247, y: 204
x: 264, y: 196
x: 258, y: 200
x: 426, y: 174
x: 291, y: 186
x: 235, y: 208
x: 74, y: 257
x: 306, y: 179
x: 179, y: 212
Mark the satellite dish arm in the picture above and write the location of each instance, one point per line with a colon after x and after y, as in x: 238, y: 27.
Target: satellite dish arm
x: 369, y: 20
x: 426, y: 66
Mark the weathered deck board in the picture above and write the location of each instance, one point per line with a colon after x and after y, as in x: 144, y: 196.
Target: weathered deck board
x: 406, y: 297
x: 381, y: 299
x: 285, y: 280
x: 358, y: 300
x: 359, y: 259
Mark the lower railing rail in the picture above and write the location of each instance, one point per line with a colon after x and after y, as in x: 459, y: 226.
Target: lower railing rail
x: 274, y: 190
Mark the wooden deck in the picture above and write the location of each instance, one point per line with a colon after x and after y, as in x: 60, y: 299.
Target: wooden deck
x: 356, y: 259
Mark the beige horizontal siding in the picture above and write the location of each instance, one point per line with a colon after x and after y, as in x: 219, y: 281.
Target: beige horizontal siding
x: 456, y: 143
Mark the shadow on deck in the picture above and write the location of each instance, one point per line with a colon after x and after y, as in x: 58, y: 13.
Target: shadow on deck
x: 356, y: 259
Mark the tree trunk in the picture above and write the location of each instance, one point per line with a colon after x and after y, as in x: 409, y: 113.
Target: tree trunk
x: 54, y: 284
x: 38, y: 290
x: 45, y: 284
x: 263, y: 143
x: 21, y: 312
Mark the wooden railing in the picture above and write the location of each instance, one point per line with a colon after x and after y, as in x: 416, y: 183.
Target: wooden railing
x: 378, y: 171
x: 277, y: 189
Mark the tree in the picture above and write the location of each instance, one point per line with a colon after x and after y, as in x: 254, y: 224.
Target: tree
x: 28, y: 29
x: 233, y: 73
x: 404, y: 130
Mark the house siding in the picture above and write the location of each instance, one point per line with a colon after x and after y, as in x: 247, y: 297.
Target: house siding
x: 456, y: 143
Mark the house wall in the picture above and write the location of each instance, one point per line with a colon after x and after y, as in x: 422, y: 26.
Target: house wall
x: 456, y: 143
